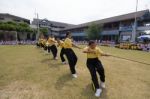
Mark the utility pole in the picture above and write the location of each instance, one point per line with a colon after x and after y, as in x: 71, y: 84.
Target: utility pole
x: 37, y: 36
x: 16, y: 38
x: 134, y: 32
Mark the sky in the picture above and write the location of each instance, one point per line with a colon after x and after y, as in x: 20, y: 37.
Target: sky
x: 71, y: 11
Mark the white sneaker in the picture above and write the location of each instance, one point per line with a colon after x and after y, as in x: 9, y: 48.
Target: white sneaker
x: 56, y: 58
x: 102, y: 85
x: 74, y: 75
x: 98, y: 92
x: 64, y: 63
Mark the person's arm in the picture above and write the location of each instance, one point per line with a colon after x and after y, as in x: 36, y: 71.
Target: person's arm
x: 54, y: 41
x: 102, y: 53
x: 76, y: 46
x: 105, y: 54
x: 86, y: 50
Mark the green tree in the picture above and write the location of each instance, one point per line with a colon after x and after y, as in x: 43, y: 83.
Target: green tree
x: 25, y: 25
x: 44, y: 31
x: 14, y: 26
x: 12, y: 23
x: 94, y: 31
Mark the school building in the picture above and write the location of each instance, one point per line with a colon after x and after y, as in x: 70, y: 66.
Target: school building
x: 54, y: 27
x: 117, y: 28
x: 5, y: 17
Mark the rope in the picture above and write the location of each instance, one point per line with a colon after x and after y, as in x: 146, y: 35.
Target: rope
x: 131, y: 60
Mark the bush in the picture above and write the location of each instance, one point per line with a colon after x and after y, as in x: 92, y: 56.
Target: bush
x: 13, y: 26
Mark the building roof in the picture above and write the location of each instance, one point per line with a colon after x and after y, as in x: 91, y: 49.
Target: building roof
x: 10, y: 15
x: 53, y: 23
x: 111, y: 19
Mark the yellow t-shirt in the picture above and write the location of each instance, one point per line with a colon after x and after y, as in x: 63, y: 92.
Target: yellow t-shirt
x: 47, y: 43
x: 44, y: 41
x: 97, y: 54
x: 51, y: 41
x: 40, y: 41
x: 68, y: 43
x: 61, y: 44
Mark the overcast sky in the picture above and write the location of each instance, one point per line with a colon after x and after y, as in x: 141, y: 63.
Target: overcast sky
x: 71, y: 11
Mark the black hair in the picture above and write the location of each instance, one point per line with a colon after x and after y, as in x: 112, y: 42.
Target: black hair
x: 57, y: 38
x: 68, y: 33
x: 52, y: 35
x: 91, y: 42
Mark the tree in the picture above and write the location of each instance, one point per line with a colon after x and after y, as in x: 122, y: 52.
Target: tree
x: 44, y: 31
x: 19, y: 27
x: 94, y: 31
x: 14, y: 26
x: 23, y: 25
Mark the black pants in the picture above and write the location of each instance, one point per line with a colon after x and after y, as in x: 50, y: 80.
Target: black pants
x: 45, y: 47
x: 72, y: 59
x: 37, y: 44
x: 62, y: 52
x: 94, y: 65
x: 42, y: 45
x: 54, y: 50
x: 49, y: 49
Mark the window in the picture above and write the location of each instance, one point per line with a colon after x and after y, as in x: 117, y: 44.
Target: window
x: 2, y: 18
x: 16, y: 20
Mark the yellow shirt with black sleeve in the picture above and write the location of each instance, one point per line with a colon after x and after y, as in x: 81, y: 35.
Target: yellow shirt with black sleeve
x: 39, y: 41
x: 47, y: 43
x: 51, y: 41
x: 44, y: 42
x: 97, y: 54
x: 68, y: 43
x: 61, y: 44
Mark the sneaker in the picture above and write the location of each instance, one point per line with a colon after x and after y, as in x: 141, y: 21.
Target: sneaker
x: 102, y: 85
x: 98, y: 92
x: 64, y: 63
x: 74, y: 75
x: 56, y: 58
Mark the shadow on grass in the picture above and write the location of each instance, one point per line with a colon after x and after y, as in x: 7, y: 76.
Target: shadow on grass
x: 47, y: 54
x: 104, y: 94
x: 52, y: 63
x: 89, y: 93
x: 40, y: 50
x: 45, y: 60
x: 62, y: 81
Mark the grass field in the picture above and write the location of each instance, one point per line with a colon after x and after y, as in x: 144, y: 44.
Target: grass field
x: 26, y: 72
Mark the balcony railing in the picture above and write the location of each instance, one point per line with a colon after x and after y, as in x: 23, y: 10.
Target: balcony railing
x: 75, y: 34
x: 126, y: 28
x: 110, y: 32
x: 143, y: 28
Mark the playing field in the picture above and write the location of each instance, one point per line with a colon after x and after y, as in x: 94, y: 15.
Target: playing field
x: 26, y: 72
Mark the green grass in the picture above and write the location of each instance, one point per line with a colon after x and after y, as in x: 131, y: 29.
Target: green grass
x: 26, y: 72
